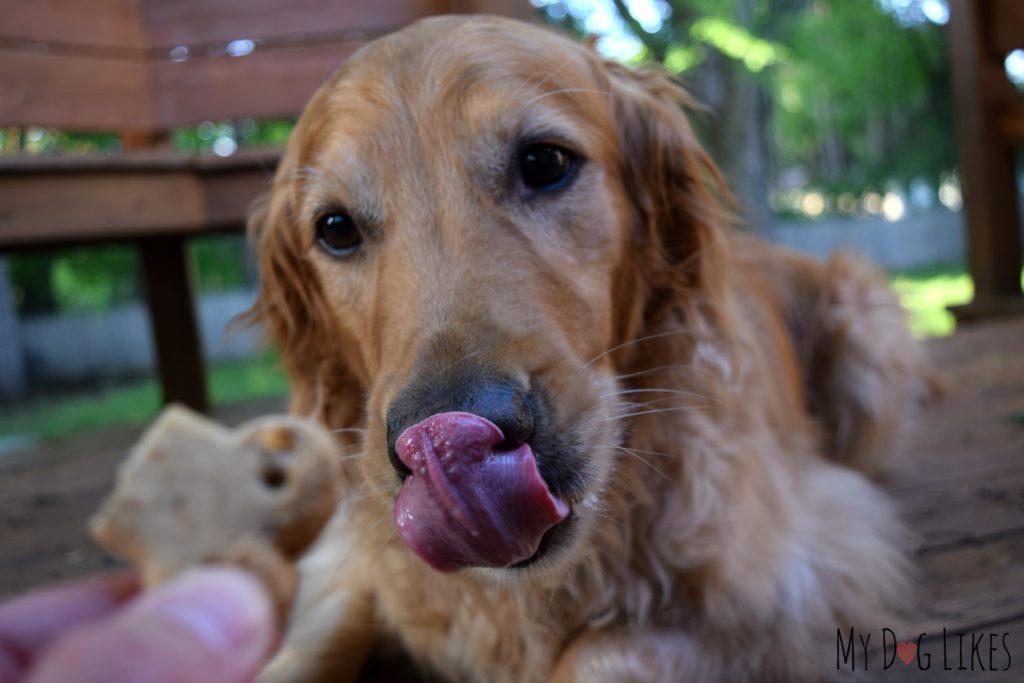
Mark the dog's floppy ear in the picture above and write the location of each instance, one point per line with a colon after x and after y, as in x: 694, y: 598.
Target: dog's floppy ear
x: 293, y: 307
x: 677, y: 190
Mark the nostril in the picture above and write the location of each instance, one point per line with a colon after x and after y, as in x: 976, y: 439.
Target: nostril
x: 517, y: 429
x: 499, y: 400
x: 507, y: 406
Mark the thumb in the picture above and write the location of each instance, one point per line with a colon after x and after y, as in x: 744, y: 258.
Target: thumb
x: 212, y: 625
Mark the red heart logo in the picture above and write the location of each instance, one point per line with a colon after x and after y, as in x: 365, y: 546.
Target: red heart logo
x: 906, y: 651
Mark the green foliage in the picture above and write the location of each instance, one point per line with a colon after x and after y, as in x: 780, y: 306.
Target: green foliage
x: 928, y: 292
x: 80, y: 279
x: 854, y: 73
x: 93, y: 279
x: 49, y: 141
x: 737, y: 43
x: 219, y: 262
x: 245, y: 133
x: 858, y: 90
x: 680, y: 58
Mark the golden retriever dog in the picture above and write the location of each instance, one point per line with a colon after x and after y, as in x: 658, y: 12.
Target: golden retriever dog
x: 589, y: 432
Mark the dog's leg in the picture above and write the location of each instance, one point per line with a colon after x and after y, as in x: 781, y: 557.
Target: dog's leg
x: 332, y: 626
x: 640, y: 657
x: 868, y: 373
x: 328, y: 643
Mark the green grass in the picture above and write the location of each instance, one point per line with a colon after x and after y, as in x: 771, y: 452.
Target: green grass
x: 138, y: 402
x: 926, y: 294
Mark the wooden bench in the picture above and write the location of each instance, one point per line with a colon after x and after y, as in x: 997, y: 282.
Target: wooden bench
x: 141, y: 68
x: 990, y: 128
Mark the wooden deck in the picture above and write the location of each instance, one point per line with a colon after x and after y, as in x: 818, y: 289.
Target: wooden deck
x: 961, y: 486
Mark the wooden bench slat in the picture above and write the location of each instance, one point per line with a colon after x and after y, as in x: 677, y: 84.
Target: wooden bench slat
x: 102, y: 23
x: 188, y: 22
x: 82, y: 93
x: 46, y: 208
x: 74, y: 92
x: 1007, y: 22
x: 222, y: 88
x: 127, y: 202
x: 86, y: 93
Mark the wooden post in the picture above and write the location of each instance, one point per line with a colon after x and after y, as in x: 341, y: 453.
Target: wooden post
x: 986, y: 164
x: 12, y: 354
x: 173, y: 320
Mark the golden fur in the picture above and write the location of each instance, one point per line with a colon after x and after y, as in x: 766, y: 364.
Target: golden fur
x: 724, y: 390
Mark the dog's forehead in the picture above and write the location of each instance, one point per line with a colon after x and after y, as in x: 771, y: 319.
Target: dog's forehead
x: 461, y: 69
x: 462, y: 90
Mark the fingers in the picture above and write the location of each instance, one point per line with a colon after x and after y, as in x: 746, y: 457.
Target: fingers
x: 30, y: 624
x: 212, y: 625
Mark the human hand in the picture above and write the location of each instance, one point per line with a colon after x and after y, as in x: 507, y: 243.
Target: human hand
x: 211, y: 625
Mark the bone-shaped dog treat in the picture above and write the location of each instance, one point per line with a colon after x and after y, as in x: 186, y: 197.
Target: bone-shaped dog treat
x: 193, y: 492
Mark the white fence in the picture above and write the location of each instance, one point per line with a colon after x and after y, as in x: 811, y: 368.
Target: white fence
x: 76, y: 347
x: 919, y: 240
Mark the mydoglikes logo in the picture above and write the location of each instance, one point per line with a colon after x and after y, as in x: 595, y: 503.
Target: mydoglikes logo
x: 954, y: 651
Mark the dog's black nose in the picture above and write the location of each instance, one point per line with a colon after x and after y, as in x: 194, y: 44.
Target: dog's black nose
x: 498, y: 399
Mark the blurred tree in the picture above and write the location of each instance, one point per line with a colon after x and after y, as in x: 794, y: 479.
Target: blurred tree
x: 864, y: 100
x: 99, y: 277
x: 32, y: 283
x: 851, y: 93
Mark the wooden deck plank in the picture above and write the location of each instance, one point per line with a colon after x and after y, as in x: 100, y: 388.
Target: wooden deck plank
x: 48, y: 492
x: 970, y: 585
x: 967, y: 508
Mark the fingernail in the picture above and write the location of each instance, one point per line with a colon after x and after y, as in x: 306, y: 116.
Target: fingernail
x: 224, y: 608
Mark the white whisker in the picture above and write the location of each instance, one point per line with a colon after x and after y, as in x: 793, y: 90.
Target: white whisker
x: 678, y: 409
x: 659, y: 453
x: 653, y: 370
x: 623, y: 345
x: 630, y: 453
x: 676, y: 392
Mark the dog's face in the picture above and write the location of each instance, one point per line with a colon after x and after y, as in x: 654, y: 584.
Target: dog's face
x: 462, y: 231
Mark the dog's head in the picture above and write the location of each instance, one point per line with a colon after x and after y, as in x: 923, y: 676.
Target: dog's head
x: 473, y: 219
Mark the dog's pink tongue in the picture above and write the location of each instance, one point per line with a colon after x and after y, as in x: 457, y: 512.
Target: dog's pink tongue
x: 466, y: 504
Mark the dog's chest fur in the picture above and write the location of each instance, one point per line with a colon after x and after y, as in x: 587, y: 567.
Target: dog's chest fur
x: 485, y: 632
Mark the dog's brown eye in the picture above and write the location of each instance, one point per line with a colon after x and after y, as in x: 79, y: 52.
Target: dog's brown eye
x: 546, y: 167
x: 337, y: 233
